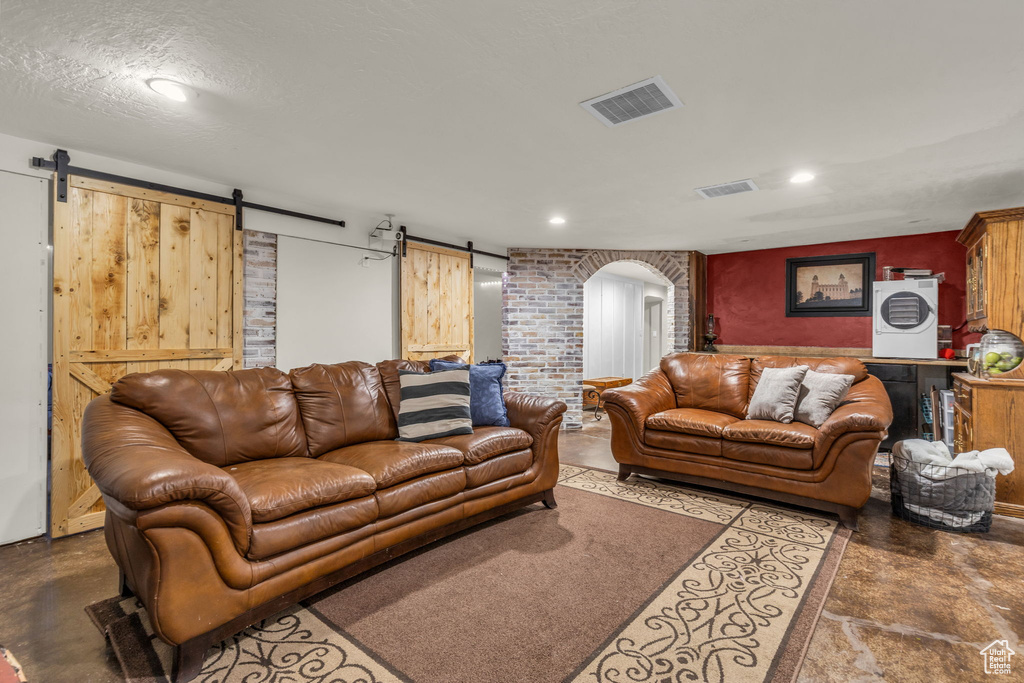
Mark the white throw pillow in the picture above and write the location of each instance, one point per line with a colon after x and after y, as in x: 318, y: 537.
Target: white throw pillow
x: 776, y: 394
x: 820, y: 394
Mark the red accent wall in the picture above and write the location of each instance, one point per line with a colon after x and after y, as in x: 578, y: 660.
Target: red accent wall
x: 747, y: 291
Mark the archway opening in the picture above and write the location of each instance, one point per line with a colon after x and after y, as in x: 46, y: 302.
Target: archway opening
x: 627, y: 320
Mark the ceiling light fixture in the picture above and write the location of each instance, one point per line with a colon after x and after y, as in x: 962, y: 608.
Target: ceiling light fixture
x: 557, y: 220
x: 169, y: 89
x: 802, y: 177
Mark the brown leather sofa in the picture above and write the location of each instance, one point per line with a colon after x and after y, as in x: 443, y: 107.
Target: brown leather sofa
x: 233, y: 495
x: 685, y: 421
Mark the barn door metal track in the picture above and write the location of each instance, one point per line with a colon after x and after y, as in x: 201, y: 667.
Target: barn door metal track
x: 61, y: 165
x: 406, y: 237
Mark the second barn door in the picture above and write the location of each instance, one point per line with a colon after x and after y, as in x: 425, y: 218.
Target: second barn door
x: 437, y: 303
x: 141, y: 280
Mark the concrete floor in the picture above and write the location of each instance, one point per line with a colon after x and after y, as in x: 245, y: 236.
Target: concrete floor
x: 909, y: 603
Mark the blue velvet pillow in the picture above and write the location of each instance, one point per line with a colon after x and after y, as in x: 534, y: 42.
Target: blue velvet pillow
x: 486, y: 395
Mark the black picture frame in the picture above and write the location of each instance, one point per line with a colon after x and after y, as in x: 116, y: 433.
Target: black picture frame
x: 863, y: 263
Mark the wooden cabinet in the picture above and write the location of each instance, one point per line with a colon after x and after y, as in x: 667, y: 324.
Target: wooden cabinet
x: 990, y: 414
x: 995, y: 273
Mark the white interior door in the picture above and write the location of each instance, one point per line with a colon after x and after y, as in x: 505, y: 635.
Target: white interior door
x: 613, y: 327
x: 652, y: 335
x: 24, y: 278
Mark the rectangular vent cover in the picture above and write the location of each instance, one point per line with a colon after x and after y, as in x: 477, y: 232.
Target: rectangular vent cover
x: 712, y: 191
x: 633, y: 102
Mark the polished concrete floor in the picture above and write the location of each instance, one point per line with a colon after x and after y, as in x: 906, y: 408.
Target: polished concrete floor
x: 909, y: 603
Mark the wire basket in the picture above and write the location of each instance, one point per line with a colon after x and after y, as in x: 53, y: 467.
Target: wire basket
x: 939, y: 497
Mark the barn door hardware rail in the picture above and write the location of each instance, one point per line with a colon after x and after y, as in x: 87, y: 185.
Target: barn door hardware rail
x: 447, y: 245
x: 61, y: 165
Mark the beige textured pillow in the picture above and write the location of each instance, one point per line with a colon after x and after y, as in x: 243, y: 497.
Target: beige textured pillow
x: 776, y: 394
x: 820, y: 394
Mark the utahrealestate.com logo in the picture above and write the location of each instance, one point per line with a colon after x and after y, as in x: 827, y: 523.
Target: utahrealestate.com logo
x: 997, y: 657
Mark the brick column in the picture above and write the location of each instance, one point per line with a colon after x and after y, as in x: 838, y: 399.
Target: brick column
x: 542, y: 330
x: 542, y: 327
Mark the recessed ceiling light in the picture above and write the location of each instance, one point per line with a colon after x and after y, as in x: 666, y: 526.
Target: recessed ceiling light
x: 557, y: 220
x: 169, y: 89
x: 802, y: 177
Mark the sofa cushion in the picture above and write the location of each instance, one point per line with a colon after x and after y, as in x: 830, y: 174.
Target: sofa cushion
x: 279, y: 487
x: 342, y: 404
x: 792, y: 435
x: 714, y: 382
x: 434, y: 405
x: 222, y: 418
x: 767, y: 454
x: 389, y: 375
x: 310, y: 526
x: 683, y: 443
x: 486, y: 394
x: 776, y: 394
x: 820, y: 394
x: 392, y: 462
x: 420, y: 491
x: 498, y: 467
x: 838, y: 366
x: 691, y: 421
x: 486, y: 442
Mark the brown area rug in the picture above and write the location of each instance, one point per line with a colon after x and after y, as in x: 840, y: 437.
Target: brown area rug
x: 632, y: 581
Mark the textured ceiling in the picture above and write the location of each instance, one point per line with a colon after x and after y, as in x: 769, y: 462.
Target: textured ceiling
x: 462, y: 117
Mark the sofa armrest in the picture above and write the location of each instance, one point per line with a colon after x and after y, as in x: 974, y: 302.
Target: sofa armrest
x: 533, y: 414
x: 865, y: 409
x: 134, y: 460
x: 650, y: 394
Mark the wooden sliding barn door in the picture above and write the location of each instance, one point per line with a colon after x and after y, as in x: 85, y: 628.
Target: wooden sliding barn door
x: 141, y: 280
x: 437, y: 303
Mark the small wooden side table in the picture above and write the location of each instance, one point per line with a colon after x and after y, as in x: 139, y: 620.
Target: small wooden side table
x: 593, y: 388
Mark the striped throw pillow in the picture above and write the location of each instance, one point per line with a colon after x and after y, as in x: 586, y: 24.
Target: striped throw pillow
x: 433, y: 405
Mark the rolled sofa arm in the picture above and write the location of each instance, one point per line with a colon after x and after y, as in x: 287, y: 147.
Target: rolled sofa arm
x: 650, y: 394
x: 137, y: 462
x: 865, y: 409
x: 533, y: 414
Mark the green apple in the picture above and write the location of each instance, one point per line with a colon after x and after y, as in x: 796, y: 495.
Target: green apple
x: 992, y: 357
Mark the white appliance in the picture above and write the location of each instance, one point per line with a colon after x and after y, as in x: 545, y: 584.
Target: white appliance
x: 905, y: 319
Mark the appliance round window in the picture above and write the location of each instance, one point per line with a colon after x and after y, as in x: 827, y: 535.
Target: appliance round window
x: 905, y: 310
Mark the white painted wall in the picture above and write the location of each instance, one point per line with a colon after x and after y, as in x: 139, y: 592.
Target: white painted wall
x: 24, y: 280
x: 330, y: 309
x: 613, y: 309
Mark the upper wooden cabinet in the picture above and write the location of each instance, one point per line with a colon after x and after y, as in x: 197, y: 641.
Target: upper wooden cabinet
x: 995, y: 271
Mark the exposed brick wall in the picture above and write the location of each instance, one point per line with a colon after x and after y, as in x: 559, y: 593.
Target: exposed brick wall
x: 259, y: 327
x: 542, y: 318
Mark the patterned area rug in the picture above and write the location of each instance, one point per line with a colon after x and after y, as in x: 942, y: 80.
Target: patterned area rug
x: 637, y: 581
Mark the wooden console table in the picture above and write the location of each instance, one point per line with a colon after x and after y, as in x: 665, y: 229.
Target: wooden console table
x: 593, y: 388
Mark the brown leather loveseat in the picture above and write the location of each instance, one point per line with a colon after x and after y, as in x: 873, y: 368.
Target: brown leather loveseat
x: 685, y: 421
x: 233, y: 495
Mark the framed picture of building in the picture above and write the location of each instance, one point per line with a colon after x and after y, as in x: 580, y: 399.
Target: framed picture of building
x: 827, y: 286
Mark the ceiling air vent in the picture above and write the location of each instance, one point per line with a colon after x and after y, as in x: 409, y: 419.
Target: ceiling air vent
x: 632, y: 102
x: 712, y: 191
